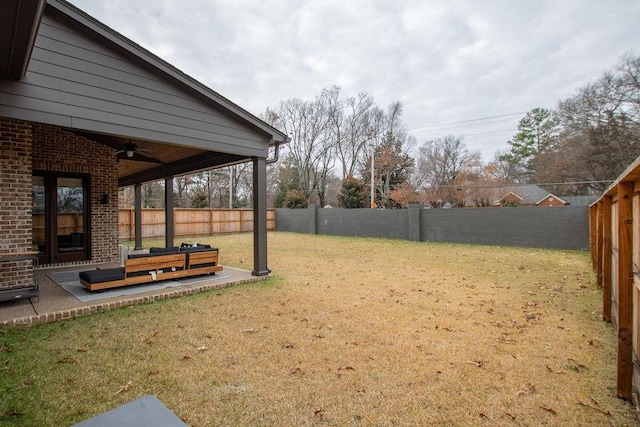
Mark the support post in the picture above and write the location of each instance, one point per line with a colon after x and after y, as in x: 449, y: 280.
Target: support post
x: 168, y: 212
x: 597, y: 242
x: 606, y: 258
x: 260, y: 217
x: 625, y: 290
x: 137, y: 195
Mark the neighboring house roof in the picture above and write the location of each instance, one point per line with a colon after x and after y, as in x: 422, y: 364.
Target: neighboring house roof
x: 67, y: 69
x: 580, y: 200
x: 529, y: 194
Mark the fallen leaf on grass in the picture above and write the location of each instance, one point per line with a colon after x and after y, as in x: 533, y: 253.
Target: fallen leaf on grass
x: 346, y: 368
x: 125, y: 387
x: 296, y: 371
x: 549, y: 410
x: 531, y: 389
x: 602, y: 411
x: 68, y: 360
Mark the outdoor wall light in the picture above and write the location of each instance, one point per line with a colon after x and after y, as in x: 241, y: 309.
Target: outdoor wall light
x: 105, y: 199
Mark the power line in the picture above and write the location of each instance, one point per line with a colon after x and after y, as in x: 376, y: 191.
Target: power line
x: 524, y: 185
x: 472, y: 125
x: 467, y: 121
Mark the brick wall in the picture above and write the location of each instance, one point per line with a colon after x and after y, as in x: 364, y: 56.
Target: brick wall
x: 15, y: 199
x: 25, y: 147
x: 58, y: 150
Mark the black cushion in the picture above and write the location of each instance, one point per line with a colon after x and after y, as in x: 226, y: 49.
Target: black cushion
x: 163, y: 250
x: 198, y: 249
x: 100, y: 276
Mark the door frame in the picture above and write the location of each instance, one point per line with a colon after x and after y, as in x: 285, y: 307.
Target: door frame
x: 52, y: 255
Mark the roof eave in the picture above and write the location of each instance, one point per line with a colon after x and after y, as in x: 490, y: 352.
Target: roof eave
x: 19, y: 24
x: 134, y: 49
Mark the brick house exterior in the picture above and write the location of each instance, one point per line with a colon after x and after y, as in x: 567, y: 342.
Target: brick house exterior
x: 57, y: 150
x: 527, y: 195
x: 551, y: 200
x: 26, y: 147
x: 15, y: 199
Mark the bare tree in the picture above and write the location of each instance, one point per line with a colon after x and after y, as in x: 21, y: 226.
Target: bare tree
x: 355, y: 122
x: 600, y: 127
x: 311, y: 149
x: 440, y: 162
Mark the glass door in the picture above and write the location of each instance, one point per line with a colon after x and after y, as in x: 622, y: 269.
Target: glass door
x: 60, y: 217
x: 70, y: 217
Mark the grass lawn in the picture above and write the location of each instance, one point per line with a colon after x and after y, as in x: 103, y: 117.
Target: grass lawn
x: 349, y: 331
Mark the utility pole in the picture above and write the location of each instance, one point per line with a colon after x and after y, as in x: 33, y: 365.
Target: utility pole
x: 373, y: 152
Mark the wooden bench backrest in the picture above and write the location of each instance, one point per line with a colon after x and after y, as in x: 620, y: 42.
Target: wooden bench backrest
x: 158, y: 262
x: 203, y: 257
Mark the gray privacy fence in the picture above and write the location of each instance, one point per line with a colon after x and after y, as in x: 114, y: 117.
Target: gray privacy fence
x: 562, y: 227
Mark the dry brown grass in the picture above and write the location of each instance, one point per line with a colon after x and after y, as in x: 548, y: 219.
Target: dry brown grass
x: 348, y: 332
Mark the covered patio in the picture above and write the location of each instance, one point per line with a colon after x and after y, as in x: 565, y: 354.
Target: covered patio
x: 85, y: 111
x: 56, y: 303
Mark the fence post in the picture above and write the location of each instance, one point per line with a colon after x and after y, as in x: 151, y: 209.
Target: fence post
x: 413, y: 222
x: 313, y: 219
x: 625, y: 290
x: 606, y: 258
x: 597, y: 242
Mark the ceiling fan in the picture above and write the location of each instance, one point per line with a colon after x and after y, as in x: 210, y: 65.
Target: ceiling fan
x: 130, y: 151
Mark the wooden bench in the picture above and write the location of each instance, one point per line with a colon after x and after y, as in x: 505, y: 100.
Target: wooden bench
x: 153, y: 267
x: 203, y: 262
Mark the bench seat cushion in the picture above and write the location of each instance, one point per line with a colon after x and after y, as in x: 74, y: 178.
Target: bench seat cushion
x: 100, y: 276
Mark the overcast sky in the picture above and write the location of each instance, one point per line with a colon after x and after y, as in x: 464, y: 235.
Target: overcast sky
x: 449, y: 62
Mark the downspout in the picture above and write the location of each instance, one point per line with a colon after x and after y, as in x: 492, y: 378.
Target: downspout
x: 276, y: 152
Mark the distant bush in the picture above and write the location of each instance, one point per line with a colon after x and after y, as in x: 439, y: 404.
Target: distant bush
x: 353, y: 193
x: 295, y: 199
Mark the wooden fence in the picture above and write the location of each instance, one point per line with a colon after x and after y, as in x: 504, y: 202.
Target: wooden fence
x: 614, y: 222
x: 191, y: 222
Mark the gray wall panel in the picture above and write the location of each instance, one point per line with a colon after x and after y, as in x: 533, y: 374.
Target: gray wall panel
x: 296, y: 220
x: 391, y: 224
x: 554, y: 228
x: 558, y: 227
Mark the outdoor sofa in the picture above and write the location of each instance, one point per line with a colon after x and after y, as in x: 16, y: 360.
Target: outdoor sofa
x: 159, y: 264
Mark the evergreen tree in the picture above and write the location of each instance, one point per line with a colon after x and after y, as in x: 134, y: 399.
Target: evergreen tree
x: 353, y: 193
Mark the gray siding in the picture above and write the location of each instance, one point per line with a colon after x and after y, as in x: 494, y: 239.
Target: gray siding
x: 565, y: 227
x: 78, y: 82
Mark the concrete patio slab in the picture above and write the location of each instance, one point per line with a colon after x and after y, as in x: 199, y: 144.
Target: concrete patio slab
x: 55, y: 303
